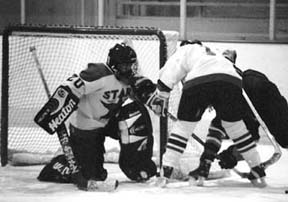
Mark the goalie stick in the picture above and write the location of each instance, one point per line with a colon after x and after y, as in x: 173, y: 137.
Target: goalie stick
x: 38, y: 66
x: 62, y: 133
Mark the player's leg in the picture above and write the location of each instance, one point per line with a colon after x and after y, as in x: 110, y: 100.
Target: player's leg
x: 191, y: 107
x: 227, y: 101
x: 232, y: 110
x: 212, y: 145
x: 88, y: 148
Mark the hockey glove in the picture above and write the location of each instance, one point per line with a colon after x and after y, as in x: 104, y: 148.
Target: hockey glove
x: 228, y: 158
x: 143, y: 88
x: 158, y: 102
x: 257, y: 176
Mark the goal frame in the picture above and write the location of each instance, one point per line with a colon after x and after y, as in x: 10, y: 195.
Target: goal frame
x: 60, y: 29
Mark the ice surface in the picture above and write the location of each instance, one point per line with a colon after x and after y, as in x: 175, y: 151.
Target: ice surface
x: 20, y: 184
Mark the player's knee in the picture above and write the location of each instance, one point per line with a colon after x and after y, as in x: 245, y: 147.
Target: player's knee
x: 177, y: 142
x: 179, y: 136
x: 183, y: 128
x: 235, y: 129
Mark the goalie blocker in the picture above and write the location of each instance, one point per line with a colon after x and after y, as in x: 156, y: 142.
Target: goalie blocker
x: 57, y: 110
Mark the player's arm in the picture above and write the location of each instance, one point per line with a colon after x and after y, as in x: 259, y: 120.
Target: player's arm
x: 174, y: 70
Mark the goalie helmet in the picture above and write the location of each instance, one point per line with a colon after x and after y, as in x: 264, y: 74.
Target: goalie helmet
x: 122, y: 59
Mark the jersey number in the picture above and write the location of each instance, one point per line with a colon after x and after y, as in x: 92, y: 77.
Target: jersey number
x: 77, y: 82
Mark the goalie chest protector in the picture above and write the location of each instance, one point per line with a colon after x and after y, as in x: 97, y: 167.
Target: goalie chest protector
x: 269, y: 103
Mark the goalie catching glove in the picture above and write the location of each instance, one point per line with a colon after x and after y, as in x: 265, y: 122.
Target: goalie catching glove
x: 158, y: 102
x: 143, y: 88
x: 156, y: 99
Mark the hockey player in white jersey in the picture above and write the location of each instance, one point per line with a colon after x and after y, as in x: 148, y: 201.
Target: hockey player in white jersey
x: 208, y: 80
x: 96, y: 96
x: 271, y: 106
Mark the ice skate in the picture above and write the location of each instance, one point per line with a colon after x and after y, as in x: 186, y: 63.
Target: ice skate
x: 198, y: 176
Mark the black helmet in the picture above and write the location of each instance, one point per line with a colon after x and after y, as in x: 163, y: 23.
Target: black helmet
x: 122, y: 59
x: 186, y: 42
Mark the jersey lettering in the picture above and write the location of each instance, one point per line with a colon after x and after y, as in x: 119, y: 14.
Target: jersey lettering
x: 114, y: 94
x: 110, y: 95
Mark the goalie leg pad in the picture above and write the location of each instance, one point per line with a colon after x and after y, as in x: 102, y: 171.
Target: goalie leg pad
x: 57, y: 110
x: 136, y: 143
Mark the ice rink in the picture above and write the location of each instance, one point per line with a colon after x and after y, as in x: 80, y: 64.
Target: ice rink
x: 20, y: 184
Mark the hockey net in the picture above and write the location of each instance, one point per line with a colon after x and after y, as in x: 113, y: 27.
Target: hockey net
x: 62, y: 51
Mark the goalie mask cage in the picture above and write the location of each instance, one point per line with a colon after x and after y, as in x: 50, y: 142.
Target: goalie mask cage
x: 62, y: 51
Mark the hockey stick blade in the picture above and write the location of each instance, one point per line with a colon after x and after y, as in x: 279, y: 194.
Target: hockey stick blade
x: 275, y: 157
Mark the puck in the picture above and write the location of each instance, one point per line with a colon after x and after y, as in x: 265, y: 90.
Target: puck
x: 286, y: 191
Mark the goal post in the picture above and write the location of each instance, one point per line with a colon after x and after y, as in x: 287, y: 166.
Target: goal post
x: 62, y: 51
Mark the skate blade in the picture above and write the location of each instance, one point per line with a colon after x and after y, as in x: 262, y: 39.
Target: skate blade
x: 196, y: 182
x: 200, y: 181
x: 161, y: 182
x: 102, y: 186
x: 261, y: 183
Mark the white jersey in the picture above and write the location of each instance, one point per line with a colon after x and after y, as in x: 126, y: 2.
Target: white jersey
x: 101, y: 96
x: 191, y: 62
